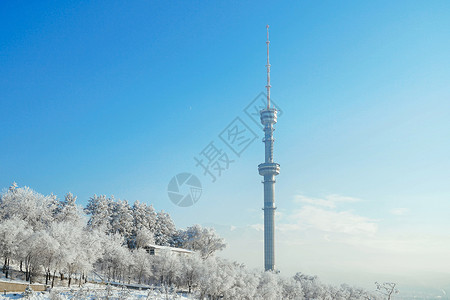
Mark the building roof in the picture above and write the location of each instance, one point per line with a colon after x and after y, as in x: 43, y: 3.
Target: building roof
x: 174, y: 249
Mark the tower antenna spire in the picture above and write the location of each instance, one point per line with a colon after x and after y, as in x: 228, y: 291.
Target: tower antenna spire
x: 268, y: 70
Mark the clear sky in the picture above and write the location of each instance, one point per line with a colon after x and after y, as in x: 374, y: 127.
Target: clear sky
x: 117, y: 97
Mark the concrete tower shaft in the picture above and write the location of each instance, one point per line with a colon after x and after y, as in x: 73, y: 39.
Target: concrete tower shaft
x: 269, y: 170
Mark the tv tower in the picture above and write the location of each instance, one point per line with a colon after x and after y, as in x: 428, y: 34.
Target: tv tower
x: 269, y: 170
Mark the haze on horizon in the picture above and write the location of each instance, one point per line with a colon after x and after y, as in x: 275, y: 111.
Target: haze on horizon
x: 118, y: 98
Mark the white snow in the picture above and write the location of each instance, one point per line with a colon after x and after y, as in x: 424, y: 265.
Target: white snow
x: 93, y: 291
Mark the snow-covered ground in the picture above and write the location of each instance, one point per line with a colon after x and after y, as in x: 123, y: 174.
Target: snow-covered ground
x: 93, y: 291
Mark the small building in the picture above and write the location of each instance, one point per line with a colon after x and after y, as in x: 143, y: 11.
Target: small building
x: 157, y: 250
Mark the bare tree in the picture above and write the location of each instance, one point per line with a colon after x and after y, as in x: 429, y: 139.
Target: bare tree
x: 387, y: 289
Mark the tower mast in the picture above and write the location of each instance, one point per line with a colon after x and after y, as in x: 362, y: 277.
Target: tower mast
x: 268, y: 69
x: 269, y: 170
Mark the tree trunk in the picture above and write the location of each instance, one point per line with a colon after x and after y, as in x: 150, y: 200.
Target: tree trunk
x: 70, y: 280
x: 7, y: 267
x: 47, y: 276
x: 27, y: 273
x: 53, y: 279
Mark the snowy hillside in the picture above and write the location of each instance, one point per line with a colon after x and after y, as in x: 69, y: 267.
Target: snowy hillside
x: 56, y: 243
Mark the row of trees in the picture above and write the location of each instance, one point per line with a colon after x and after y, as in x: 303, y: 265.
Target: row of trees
x: 140, y: 224
x: 215, y: 278
x: 118, y: 217
x: 45, y: 234
x: 57, y: 239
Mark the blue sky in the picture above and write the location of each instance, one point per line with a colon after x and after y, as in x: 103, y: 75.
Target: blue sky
x: 117, y: 98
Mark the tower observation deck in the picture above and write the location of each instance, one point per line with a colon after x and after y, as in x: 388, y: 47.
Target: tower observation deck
x: 269, y: 169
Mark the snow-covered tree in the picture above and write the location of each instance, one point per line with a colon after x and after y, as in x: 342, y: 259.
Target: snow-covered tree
x: 122, y: 218
x: 218, y: 277
x: 13, y: 186
x: 28, y: 205
x: 34, y: 252
x: 99, y: 208
x: 290, y: 289
x: 116, y: 258
x: 70, y: 236
x: 67, y: 210
x: 177, y: 239
x: 166, y: 267
x: 245, y: 283
x: 144, y: 216
x: 144, y: 219
x: 144, y: 237
x: 141, y: 264
x: 346, y: 292
x: 387, y: 289
x: 312, y: 288
x: 91, y: 244
x: 49, y: 255
x: 268, y: 288
x: 13, y: 233
x: 164, y: 229
x: 117, y: 217
x: 203, y: 240
x: 190, y: 271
